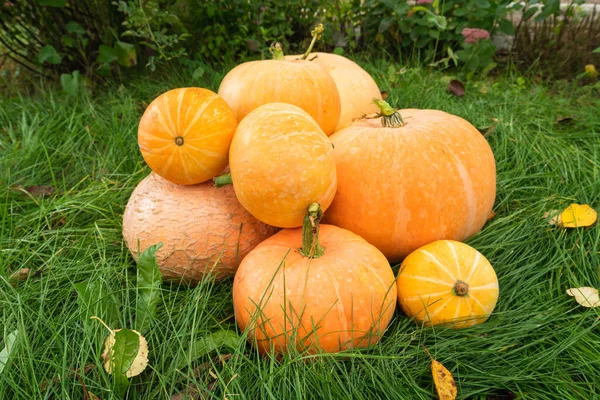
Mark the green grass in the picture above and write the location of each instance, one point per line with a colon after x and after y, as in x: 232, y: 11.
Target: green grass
x: 539, y: 344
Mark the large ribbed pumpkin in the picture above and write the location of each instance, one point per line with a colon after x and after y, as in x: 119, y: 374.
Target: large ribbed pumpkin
x: 203, y: 229
x: 447, y: 282
x: 401, y: 187
x: 298, y: 82
x: 314, y: 289
x: 184, y: 135
x: 355, y: 86
x: 281, y: 161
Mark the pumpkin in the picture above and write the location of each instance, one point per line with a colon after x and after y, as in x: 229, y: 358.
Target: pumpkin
x: 281, y: 161
x: 447, y: 282
x: 318, y: 288
x: 203, y: 229
x: 298, y: 82
x: 184, y: 135
x: 355, y: 86
x: 427, y: 177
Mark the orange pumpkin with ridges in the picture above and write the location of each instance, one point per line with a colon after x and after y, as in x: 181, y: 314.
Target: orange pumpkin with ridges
x: 184, y: 135
x: 314, y: 289
x: 407, y: 184
x: 203, y: 229
x: 447, y: 282
x: 299, y: 82
x: 355, y: 86
x: 281, y: 161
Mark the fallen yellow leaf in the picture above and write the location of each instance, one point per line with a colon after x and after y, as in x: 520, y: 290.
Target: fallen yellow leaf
x: 139, y: 363
x: 443, y: 380
x: 586, y: 296
x: 553, y: 217
x: 590, y: 70
x: 577, y: 215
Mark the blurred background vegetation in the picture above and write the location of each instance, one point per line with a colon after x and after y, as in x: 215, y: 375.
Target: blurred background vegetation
x: 93, y: 42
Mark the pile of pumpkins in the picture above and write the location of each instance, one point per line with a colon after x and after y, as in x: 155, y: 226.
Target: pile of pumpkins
x: 242, y: 178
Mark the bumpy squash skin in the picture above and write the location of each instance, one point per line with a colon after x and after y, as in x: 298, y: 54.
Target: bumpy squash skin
x: 203, y: 229
x: 355, y: 86
x: 281, y: 161
x: 401, y: 188
x: 185, y: 134
x: 301, y: 83
x: 342, y: 300
x: 426, y: 285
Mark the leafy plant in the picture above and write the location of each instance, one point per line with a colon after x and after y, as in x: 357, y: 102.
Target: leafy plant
x: 155, y: 27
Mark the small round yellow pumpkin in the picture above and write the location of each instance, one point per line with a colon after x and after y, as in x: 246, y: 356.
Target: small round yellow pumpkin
x: 447, y: 282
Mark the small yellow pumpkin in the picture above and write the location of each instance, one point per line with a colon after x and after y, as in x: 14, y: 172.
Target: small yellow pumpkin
x: 447, y: 282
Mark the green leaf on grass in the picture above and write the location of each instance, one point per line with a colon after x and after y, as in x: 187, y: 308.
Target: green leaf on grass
x: 198, y: 73
x: 596, y: 50
x: 149, y: 280
x: 124, y: 351
x: 106, y: 54
x: 49, y: 54
x: 9, y: 345
x: 126, y: 54
x: 71, y: 83
x: 210, y: 342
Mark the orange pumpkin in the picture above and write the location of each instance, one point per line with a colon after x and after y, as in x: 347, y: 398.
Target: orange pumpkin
x: 298, y: 82
x: 203, y: 229
x: 281, y: 161
x: 447, y: 282
x: 355, y: 86
x: 314, y: 289
x: 184, y: 135
x: 402, y: 186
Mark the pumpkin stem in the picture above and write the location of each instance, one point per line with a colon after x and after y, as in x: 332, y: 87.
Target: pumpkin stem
x: 316, y: 35
x: 276, y: 51
x: 311, y: 247
x: 461, y: 288
x: 390, y: 117
x: 222, y: 180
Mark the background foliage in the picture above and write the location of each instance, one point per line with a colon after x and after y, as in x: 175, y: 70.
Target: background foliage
x: 85, y: 42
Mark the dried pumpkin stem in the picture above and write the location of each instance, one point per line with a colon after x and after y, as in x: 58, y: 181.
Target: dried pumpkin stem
x: 316, y: 35
x: 390, y: 117
x: 461, y: 288
x: 222, y: 180
x: 276, y: 51
x: 311, y: 247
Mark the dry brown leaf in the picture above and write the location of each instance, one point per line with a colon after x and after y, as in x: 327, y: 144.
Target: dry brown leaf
x: 586, y: 296
x: 578, y: 215
x: 93, y: 396
x: 443, y: 380
x: 456, y: 87
x: 18, y: 276
x: 552, y: 216
x: 384, y: 95
x: 563, y: 120
x: 40, y: 191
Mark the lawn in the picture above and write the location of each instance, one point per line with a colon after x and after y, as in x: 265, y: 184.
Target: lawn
x: 68, y: 166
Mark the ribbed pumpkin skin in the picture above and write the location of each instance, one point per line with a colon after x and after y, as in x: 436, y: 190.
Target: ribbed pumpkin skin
x: 426, y: 279
x: 202, y: 121
x: 347, y: 296
x: 281, y: 161
x: 196, y: 224
x: 301, y: 83
x: 401, y: 188
x: 355, y: 86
